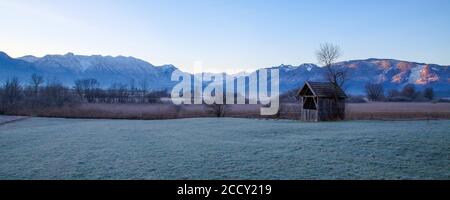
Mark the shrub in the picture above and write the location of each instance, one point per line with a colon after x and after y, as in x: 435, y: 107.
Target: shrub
x: 374, y: 91
x: 428, y: 93
x: 409, y: 91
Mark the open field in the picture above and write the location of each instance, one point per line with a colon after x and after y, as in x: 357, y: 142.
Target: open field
x: 393, y: 110
x: 223, y: 148
x: 362, y: 111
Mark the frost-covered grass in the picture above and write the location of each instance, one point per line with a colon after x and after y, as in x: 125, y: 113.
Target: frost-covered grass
x: 212, y: 148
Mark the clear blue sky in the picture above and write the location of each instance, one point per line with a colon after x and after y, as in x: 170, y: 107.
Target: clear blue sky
x: 228, y: 35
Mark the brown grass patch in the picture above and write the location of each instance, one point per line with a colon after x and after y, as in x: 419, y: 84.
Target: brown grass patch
x: 364, y: 111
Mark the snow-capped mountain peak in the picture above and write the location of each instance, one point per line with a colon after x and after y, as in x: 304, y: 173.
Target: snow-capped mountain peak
x: 393, y: 74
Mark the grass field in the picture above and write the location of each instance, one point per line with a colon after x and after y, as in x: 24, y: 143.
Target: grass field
x: 397, y: 110
x: 223, y: 148
x: 363, y: 111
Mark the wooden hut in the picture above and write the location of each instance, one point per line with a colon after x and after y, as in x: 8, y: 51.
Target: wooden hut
x: 322, y: 101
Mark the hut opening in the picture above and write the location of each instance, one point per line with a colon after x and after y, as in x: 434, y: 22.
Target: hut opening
x: 309, y: 103
x: 322, y: 101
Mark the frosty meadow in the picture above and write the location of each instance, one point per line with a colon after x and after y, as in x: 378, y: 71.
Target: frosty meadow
x: 224, y: 149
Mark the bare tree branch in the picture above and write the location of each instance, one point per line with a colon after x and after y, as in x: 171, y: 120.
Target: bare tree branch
x: 374, y: 91
x: 327, y: 55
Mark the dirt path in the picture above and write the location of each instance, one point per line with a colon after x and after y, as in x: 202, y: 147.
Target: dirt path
x: 11, y: 119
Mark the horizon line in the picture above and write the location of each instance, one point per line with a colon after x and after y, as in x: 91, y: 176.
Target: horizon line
x: 243, y: 71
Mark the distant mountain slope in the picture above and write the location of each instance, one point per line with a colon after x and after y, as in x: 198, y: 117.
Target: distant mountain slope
x: 106, y: 69
x: 395, y: 73
x: 109, y: 70
x: 10, y: 67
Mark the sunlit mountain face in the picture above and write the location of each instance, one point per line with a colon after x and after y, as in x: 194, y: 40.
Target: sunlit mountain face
x: 393, y: 74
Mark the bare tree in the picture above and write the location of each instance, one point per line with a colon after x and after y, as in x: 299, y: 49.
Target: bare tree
x: 55, y: 94
x: 36, y: 82
x: 428, y: 93
x: 144, y: 88
x: 327, y: 56
x: 87, y: 88
x: 12, y: 92
x: 374, y: 91
x: 409, y: 91
x: 218, y: 109
x: 132, y: 86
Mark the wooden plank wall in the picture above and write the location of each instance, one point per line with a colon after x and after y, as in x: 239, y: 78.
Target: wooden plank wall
x: 309, y: 115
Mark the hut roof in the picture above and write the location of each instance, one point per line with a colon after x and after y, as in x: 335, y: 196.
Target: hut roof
x: 322, y: 89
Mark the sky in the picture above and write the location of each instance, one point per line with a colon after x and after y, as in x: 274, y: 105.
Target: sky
x: 228, y: 35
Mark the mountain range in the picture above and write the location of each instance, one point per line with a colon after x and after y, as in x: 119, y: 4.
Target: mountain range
x: 393, y: 74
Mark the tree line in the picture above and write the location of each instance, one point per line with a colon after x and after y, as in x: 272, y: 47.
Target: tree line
x: 376, y: 92
x: 36, y: 92
x: 89, y: 90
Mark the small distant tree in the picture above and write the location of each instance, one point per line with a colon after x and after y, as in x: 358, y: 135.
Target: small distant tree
x: 144, y: 88
x: 12, y: 91
x: 132, y: 86
x: 375, y: 92
x: 36, y: 83
x: 409, y: 91
x: 428, y: 93
x: 218, y: 110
